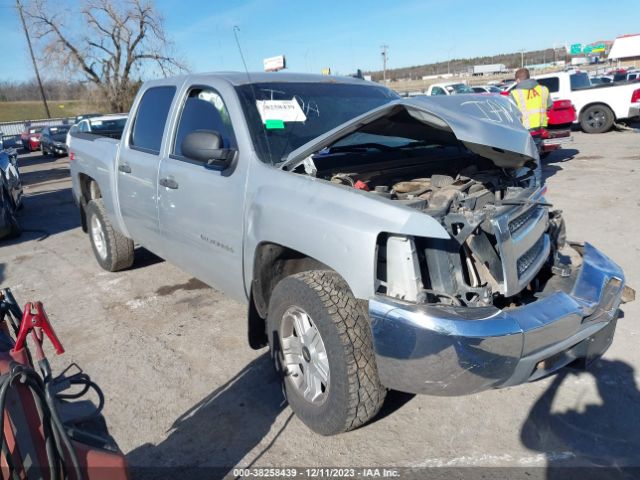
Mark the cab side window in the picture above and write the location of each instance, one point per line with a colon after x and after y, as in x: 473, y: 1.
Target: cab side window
x: 438, y: 91
x: 151, y: 118
x: 204, y: 109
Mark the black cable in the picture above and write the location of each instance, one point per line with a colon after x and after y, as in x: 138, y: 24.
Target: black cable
x: 56, y: 439
x: 31, y: 380
x: 61, y: 430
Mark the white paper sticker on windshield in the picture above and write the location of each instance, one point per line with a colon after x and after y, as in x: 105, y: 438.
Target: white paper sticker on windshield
x: 283, y: 110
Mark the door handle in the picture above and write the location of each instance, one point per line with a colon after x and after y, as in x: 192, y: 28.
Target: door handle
x: 169, y: 183
x: 124, y: 168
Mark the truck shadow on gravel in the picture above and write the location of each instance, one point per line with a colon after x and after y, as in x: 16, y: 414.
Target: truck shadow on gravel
x: 605, y: 434
x: 549, y: 167
x: 214, y: 435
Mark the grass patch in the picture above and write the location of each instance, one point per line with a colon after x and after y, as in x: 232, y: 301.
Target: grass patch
x: 16, y: 111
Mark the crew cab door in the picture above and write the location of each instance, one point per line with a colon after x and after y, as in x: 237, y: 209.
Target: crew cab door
x: 201, y: 207
x: 137, y: 167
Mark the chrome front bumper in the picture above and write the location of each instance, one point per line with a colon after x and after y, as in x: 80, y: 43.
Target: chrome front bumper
x: 455, y: 351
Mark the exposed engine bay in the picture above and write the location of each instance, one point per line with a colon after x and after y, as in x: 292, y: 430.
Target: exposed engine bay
x: 502, y: 232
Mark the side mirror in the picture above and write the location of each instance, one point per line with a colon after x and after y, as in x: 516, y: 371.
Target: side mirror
x: 204, y: 146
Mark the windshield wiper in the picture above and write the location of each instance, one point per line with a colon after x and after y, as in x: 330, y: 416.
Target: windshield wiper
x: 360, y: 147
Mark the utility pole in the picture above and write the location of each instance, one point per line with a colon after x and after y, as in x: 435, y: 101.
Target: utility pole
x: 522, y: 58
x: 33, y: 59
x: 385, y: 57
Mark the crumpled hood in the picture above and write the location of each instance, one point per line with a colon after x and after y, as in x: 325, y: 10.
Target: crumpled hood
x: 488, y: 125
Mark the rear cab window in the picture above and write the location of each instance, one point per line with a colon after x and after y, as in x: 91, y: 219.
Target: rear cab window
x: 150, y: 119
x: 552, y: 83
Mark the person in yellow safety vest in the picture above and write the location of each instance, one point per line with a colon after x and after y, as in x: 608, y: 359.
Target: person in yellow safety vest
x: 532, y: 100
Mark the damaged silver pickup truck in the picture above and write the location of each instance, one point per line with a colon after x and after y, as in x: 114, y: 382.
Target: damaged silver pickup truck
x: 380, y: 243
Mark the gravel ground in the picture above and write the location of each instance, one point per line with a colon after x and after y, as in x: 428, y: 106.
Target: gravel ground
x: 184, y: 389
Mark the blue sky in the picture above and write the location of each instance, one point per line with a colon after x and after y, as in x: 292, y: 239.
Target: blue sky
x: 346, y: 35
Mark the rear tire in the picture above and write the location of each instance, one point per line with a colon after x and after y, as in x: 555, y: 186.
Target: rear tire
x: 112, y: 250
x: 333, y: 386
x: 597, y: 119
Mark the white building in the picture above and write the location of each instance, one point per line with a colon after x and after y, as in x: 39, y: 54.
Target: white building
x: 626, y: 50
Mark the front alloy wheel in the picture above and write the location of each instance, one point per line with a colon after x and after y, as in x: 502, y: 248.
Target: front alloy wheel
x: 304, y: 355
x: 321, y: 344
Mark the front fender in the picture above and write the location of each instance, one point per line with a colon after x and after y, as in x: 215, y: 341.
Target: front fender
x: 334, y: 224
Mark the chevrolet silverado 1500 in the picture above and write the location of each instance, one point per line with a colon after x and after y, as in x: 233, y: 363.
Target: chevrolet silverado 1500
x: 380, y: 243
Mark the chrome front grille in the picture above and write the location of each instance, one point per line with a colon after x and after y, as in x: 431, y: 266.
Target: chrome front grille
x: 523, y: 220
x: 522, y: 243
x: 529, y: 258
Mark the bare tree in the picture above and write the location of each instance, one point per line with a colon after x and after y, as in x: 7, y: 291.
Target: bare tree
x: 108, y: 42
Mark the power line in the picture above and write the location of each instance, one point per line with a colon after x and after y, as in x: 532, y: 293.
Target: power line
x: 33, y: 59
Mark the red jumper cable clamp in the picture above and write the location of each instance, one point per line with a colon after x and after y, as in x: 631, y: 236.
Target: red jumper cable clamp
x: 35, y: 320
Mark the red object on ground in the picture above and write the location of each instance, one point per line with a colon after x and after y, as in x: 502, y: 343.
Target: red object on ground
x: 33, y: 317
x: 25, y: 433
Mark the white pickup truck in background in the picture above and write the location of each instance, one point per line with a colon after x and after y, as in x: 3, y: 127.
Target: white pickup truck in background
x: 598, y: 106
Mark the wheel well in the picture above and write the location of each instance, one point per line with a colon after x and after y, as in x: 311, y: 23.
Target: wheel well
x: 272, y: 263
x: 89, y: 190
x: 594, y: 104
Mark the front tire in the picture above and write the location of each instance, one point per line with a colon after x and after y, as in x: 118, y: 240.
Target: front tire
x: 597, y: 119
x: 112, y: 250
x: 321, y: 343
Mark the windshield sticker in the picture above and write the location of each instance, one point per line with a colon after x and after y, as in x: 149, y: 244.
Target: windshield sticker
x: 283, y: 110
x: 274, y: 124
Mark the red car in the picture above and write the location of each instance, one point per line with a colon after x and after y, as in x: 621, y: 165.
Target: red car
x: 31, y: 139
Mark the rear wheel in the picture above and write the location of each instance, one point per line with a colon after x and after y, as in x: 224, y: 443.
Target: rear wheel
x: 596, y: 119
x: 112, y: 250
x: 321, y: 343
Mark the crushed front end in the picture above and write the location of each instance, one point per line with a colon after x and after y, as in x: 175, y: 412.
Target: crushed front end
x: 453, y: 350
x: 504, y: 299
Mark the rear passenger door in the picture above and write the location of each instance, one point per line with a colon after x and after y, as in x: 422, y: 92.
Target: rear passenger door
x: 201, y: 207
x: 137, y: 167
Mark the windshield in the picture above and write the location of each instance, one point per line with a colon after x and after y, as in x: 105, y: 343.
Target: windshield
x: 59, y: 133
x: 579, y: 80
x: 459, y: 88
x: 111, y: 126
x: 285, y: 115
